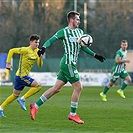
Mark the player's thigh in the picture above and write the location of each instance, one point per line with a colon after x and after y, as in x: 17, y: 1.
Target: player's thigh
x: 34, y: 83
x: 17, y: 92
x: 124, y: 75
x: 114, y: 76
x: 58, y: 85
x: 71, y: 73
x: 21, y: 82
x: 77, y: 85
x: 61, y: 76
x: 18, y: 85
x: 26, y: 80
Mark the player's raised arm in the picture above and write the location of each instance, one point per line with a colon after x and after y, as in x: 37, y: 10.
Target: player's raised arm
x: 58, y: 35
x: 90, y: 52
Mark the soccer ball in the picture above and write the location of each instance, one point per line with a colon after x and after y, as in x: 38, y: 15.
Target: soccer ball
x: 86, y: 40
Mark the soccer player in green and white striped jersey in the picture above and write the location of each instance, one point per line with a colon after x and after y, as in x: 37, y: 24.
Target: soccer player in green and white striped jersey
x: 68, y: 72
x: 118, y: 70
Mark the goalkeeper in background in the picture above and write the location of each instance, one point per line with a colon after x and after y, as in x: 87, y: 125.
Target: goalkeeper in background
x: 28, y: 56
x: 68, y: 71
x: 118, y: 71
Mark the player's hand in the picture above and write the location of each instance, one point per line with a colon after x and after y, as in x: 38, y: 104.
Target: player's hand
x: 99, y: 57
x: 41, y: 51
x: 41, y: 56
x: 9, y: 66
x: 127, y: 61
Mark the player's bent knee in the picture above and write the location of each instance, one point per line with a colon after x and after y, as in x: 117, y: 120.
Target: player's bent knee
x: 111, y: 84
x: 128, y: 79
x: 39, y: 87
x: 15, y: 95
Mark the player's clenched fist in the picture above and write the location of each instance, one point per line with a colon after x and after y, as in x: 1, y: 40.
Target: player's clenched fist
x: 41, y: 51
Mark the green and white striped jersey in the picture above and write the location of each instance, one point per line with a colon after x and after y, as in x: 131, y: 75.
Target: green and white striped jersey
x: 118, y: 68
x: 70, y: 42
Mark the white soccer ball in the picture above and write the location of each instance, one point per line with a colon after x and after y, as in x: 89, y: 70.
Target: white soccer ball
x: 86, y: 40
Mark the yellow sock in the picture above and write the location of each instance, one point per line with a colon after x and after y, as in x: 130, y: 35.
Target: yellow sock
x: 9, y: 100
x: 32, y: 91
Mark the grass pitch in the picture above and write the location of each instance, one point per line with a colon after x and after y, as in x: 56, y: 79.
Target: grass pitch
x: 113, y: 116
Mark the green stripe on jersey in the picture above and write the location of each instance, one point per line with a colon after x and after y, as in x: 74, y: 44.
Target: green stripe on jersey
x: 118, y: 68
x: 71, y: 44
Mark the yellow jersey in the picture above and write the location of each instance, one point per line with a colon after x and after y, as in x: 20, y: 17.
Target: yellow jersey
x: 27, y: 59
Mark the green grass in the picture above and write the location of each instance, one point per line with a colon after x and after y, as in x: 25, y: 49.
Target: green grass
x: 113, y: 116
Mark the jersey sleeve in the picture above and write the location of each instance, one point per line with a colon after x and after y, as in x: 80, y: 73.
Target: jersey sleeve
x: 39, y: 62
x: 88, y: 51
x: 58, y: 35
x: 49, y: 41
x: 118, y: 54
x: 15, y: 51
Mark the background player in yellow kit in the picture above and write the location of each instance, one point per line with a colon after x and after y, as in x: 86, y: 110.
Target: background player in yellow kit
x: 28, y: 56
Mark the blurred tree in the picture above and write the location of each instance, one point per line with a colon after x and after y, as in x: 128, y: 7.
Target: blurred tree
x: 110, y: 23
x: 7, y: 26
x: 52, y: 22
x: 20, y: 19
x: 107, y: 21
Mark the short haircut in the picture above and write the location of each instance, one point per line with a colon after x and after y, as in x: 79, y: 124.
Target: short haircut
x: 124, y: 41
x: 34, y: 37
x: 72, y: 14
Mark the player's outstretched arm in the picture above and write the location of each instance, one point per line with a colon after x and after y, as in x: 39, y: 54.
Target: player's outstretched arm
x: 90, y: 52
x: 41, y: 51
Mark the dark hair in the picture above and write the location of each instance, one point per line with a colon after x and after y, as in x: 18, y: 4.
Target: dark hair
x: 124, y: 41
x: 72, y: 14
x: 34, y: 37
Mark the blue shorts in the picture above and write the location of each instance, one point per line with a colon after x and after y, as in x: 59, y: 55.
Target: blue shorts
x: 21, y: 82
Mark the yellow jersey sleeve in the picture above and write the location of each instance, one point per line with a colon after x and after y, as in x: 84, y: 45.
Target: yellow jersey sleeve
x: 14, y: 51
x: 39, y: 62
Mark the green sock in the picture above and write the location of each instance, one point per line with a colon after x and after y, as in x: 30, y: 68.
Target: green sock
x: 73, y: 110
x: 106, y: 89
x: 74, y: 106
x: 41, y: 100
x: 124, y: 85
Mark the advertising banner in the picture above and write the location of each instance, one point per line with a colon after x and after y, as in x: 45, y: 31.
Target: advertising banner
x: 87, y: 78
x: 4, y: 74
x: 5, y: 77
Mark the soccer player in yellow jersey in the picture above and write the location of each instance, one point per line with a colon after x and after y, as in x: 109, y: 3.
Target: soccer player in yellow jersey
x: 28, y: 56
